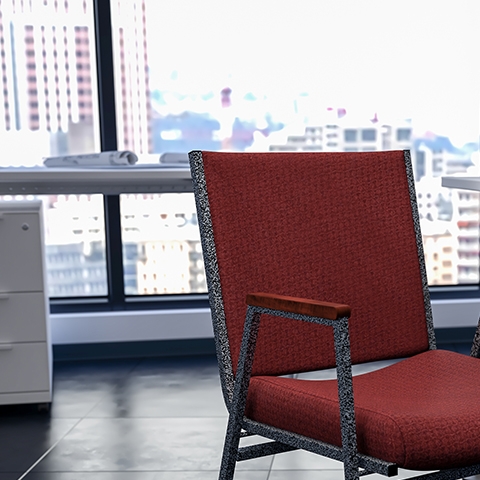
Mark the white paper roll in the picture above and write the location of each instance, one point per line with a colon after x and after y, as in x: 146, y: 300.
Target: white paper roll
x: 170, y: 158
x: 121, y: 158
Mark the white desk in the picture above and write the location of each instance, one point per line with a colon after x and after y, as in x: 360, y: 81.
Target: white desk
x: 109, y: 181
x: 466, y: 183
x: 112, y: 326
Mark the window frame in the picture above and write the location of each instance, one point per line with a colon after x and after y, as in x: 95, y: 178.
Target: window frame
x: 116, y: 298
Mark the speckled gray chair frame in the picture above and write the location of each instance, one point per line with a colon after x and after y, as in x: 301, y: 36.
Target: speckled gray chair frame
x: 235, y: 382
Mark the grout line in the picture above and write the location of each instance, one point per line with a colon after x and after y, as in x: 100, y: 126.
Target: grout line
x: 269, y: 469
x: 48, y: 451
x: 38, y: 461
x: 79, y: 420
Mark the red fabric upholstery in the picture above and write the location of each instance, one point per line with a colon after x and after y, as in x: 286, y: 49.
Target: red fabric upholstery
x: 423, y: 414
x: 334, y: 227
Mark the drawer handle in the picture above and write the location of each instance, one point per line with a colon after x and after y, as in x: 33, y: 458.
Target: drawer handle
x: 4, y: 296
x: 5, y: 346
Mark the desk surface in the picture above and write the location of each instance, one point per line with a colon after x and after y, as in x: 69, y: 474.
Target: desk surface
x: 114, y: 181
x: 466, y: 183
x: 109, y: 181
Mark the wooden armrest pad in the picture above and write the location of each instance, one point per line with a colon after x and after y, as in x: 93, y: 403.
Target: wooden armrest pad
x: 302, y: 306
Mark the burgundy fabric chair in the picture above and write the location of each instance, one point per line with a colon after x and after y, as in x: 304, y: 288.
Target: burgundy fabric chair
x: 313, y: 261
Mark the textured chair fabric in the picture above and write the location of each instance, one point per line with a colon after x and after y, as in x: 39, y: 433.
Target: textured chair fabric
x: 315, y: 260
x: 421, y: 413
x: 330, y: 226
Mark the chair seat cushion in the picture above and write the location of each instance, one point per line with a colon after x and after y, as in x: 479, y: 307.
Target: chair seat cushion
x: 422, y: 413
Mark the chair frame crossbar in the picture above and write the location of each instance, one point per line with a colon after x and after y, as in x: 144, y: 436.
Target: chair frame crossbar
x: 348, y: 453
x: 355, y: 464
x: 366, y: 463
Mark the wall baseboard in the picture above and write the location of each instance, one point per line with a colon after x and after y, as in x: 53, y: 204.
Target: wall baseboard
x: 141, y: 349
x: 454, y: 335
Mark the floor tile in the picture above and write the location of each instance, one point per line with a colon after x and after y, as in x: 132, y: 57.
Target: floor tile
x: 306, y: 475
x: 11, y: 475
x: 402, y: 474
x: 305, y: 465
x: 90, y: 476
x: 79, y: 386
x: 192, y: 475
x: 23, y: 440
x: 302, y: 460
x: 139, y: 419
x: 162, y: 388
x: 239, y: 475
x: 143, y: 444
x: 360, y: 369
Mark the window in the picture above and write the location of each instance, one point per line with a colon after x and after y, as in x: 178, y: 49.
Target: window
x: 48, y: 123
x: 350, y: 135
x: 189, y: 99
x: 419, y: 165
x: 161, y: 244
x: 403, y: 134
x: 369, y: 135
x: 165, y: 94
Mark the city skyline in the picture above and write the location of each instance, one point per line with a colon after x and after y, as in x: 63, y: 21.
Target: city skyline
x: 291, y: 64
x: 314, y: 75
x: 392, y: 58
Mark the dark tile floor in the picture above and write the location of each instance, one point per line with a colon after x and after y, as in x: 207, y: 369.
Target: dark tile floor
x: 145, y: 419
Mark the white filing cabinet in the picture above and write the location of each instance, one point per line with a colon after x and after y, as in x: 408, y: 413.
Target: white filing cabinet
x: 25, y: 346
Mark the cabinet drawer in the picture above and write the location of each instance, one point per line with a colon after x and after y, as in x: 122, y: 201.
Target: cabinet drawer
x: 23, y: 317
x: 21, y: 252
x: 24, y: 367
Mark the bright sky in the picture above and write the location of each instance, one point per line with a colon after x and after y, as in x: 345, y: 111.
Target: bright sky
x: 401, y: 58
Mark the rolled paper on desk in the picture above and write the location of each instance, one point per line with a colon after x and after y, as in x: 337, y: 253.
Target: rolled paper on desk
x: 170, y: 158
x: 120, y: 158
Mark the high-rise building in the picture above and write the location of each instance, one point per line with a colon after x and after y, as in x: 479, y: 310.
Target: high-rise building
x: 47, y: 60
x: 132, y: 86
x: 449, y: 219
x: 48, y: 101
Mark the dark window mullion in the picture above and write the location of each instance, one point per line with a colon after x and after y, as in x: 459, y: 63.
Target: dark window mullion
x: 114, y: 251
x: 108, y: 141
x: 105, y: 74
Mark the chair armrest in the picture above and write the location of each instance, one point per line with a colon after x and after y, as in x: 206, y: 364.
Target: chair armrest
x: 302, y: 306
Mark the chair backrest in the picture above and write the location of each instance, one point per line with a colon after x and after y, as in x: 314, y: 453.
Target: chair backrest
x: 339, y: 227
